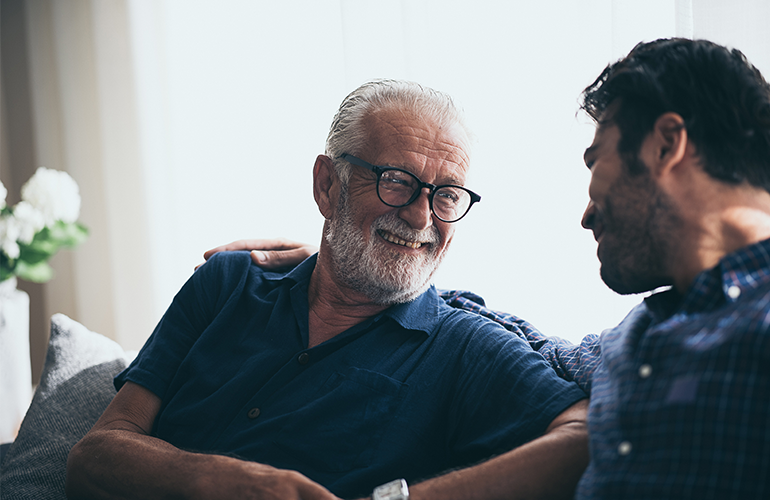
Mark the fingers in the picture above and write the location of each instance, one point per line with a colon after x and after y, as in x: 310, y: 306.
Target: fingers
x: 310, y: 490
x: 281, y: 258
x: 258, y: 244
x: 269, y: 253
x: 282, y: 484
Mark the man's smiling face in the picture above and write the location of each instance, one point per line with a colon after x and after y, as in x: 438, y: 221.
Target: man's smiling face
x: 391, y: 253
x: 635, y: 223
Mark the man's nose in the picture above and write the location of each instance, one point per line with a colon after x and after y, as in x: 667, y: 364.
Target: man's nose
x: 589, y: 216
x: 417, y: 214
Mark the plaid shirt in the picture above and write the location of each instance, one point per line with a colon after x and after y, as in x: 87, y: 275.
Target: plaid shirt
x: 680, y: 404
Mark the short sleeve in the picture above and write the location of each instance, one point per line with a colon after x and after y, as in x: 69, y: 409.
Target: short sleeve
x: 192, y: 310
x: 509, y: 393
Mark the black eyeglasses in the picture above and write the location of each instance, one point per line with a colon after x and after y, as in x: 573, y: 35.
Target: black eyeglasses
x: 399, y: 188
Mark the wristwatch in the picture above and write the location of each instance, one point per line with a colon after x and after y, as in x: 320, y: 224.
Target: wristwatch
x: 394, y: 490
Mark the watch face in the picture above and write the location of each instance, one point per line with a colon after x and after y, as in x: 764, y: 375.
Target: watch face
x: 390, y: 490
x: 394, y: 490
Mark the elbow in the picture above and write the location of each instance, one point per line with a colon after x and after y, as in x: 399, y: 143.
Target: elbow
x: 77, y: 467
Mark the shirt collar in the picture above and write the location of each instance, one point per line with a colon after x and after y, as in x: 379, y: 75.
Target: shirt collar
x: 421, y: 314
x: 297, y: 275
x: 737, y: 274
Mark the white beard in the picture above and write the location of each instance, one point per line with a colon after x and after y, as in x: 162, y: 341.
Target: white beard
x: 374, y: 270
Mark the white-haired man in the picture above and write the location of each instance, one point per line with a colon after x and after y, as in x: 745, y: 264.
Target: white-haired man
x: 348, y: 372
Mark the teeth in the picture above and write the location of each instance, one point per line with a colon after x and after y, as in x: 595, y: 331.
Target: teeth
x: 398, y: 241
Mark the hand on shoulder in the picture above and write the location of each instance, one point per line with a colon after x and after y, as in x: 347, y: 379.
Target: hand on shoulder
x: 271, y: 253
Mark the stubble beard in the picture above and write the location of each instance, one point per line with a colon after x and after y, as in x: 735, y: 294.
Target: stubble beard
x: 641, y: 226
x: 374, y: 270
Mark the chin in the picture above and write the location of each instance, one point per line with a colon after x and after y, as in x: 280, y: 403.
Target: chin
x: 630, y: 285
x: 391, y: 297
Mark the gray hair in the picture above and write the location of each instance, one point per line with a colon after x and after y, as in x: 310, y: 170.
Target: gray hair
x: 348, y: 134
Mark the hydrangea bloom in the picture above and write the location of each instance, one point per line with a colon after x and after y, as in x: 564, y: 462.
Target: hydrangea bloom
x: 30, y: 221
x: 3, y: 194
x: 55, y: 194
x: 9, y: 234
x: 38, y: 226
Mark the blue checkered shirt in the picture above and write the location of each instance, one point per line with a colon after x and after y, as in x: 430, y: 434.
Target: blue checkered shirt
x: 680, y: 403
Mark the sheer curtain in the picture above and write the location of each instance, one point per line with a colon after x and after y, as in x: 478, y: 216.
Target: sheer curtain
x: 191, y: 123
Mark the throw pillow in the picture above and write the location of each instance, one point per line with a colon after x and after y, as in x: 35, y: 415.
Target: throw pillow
x: 75, y: 388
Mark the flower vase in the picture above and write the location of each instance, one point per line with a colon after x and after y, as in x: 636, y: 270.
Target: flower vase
x: 15, y: 368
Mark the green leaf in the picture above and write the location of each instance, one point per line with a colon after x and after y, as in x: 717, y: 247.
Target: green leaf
x: 40, y: 250
x: 48, y: 241
x: 37, y: 273
x: 67, y: 235
x: 5, y: 273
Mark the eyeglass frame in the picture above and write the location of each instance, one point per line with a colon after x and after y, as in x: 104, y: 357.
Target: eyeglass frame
x: 379, y: 170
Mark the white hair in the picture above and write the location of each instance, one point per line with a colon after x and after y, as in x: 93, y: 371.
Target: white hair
x: 348, y: 133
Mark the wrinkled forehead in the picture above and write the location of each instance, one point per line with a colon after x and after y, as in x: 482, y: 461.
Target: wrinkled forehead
x: 406, y: 131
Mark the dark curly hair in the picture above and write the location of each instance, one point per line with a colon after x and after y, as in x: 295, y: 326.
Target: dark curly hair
x: 723, y: 99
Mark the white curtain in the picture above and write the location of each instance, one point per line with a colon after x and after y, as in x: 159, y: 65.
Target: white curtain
x: 191, y: 123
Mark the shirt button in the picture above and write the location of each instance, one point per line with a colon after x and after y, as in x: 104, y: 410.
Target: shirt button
x: 253, y: 413
x: 734, y: 292
x: 624, y: 448
x: 303, y: 358
x: 645, y: 371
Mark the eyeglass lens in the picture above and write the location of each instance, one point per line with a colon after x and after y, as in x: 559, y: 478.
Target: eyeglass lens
x: 398, y: 188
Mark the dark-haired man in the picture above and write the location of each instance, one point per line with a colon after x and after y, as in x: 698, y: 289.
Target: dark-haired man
x: 680, y: 173
x: 679, y: 200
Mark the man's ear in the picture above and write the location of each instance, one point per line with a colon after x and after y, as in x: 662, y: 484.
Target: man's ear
x: 325, y: 185
x: 666, y: 146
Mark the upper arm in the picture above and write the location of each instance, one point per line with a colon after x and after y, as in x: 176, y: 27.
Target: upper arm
x: 575, y: 414
x: 133, y: 409
x: 507, y: 394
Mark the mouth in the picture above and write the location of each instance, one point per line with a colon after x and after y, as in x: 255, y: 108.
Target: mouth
x: 392, y: 238
x: 597, y: 227
x: 598, y: 233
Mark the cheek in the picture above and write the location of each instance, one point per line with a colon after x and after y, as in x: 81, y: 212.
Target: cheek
x: 598, y: 188
x: 446, y: 233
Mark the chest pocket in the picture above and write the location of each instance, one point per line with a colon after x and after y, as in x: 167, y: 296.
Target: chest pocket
x: 340, y: 429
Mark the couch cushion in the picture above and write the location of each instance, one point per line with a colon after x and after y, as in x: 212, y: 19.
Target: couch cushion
x: 75, y: 388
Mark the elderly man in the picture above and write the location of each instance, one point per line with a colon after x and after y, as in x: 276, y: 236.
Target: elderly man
x: 348, y: 372
x: 679, y: 199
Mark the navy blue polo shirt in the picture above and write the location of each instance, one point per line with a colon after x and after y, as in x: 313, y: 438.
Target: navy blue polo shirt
x: 414, y: 391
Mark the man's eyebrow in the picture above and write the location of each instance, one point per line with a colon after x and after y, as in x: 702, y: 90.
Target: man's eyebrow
x: 451, y: 180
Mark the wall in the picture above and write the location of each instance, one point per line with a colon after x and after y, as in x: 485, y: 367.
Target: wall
x: 191, y: 123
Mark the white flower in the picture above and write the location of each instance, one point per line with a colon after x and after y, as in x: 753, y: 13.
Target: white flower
x: 30, y: 221
x: 3, y: 194
x: 9, y: 233
x: 54, y: 193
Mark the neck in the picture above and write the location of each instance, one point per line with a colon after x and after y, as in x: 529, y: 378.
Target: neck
x: 736, y: 217
x: 333, y: 307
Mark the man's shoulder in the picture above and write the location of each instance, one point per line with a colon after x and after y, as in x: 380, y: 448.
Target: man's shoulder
x: 470, y: 325
x: 238, y: 263
x: 226, y: 273
x: 475, y: 304
x: 227, y: 261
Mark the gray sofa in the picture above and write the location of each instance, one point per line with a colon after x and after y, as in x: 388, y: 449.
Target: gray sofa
x: 75, y: 388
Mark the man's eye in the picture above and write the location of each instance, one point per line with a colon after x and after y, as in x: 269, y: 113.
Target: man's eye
x: 447, y: 197
x: 396, y: 179
x: 395, y: 182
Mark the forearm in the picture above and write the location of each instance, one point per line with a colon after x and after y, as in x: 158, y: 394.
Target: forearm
x: 118, y: 458
x: 546, y: 468
x: 122, y: 464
